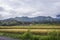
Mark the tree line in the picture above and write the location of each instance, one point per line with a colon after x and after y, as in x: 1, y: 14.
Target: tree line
x: 14, y: 23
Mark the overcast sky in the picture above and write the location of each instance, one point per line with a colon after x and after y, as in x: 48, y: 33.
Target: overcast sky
x: 30, y: 8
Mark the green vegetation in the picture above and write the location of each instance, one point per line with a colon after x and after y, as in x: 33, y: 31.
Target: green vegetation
x: 29, y: 36
x: 13, y: 22
x: 32, y: 32
x: 35, y: 26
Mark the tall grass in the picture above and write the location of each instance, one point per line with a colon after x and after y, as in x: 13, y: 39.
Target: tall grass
x: 54, y: 35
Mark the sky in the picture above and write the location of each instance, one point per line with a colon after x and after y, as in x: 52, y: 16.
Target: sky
x: 30, y: 8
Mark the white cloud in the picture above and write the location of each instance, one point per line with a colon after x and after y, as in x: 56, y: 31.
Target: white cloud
x: 30, y: 8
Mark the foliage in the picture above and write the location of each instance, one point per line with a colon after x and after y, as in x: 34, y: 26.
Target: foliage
x: 29, y: 36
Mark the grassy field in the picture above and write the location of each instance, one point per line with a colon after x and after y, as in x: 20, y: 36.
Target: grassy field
x: 39, y: 31
x: 29, y: 36
x: 35, y: 31
x: 42, y: 26
x: 33, y: 28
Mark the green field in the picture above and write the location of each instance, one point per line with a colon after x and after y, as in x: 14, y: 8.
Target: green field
x: 33, y: 28
x: 37, y: 26
x: 39, y: 31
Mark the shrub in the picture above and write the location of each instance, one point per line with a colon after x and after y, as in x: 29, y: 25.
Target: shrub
x: 27, y: 36
x: 53, y: 35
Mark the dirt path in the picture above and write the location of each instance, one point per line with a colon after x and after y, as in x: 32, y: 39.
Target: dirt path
x: 6, y: 38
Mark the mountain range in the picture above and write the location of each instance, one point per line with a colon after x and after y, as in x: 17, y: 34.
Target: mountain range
x: 40, y: 19
x: 36, y: 19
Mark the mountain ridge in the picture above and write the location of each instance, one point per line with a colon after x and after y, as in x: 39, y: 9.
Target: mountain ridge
x: 27, y: 20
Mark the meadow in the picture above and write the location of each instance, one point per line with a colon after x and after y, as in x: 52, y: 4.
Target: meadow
x: 36, y: 26
x: 33, y: 32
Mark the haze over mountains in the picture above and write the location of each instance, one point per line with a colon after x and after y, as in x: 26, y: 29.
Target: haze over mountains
x: 37, y: 19
x: 27, y: 20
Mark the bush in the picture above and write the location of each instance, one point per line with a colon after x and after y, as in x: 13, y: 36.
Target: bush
x: 36, y: 37
x: 53, y: 35
x: 27, y: 36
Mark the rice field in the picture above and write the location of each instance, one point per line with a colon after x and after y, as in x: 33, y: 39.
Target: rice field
x: 33, y: 28
x: 35, y: 31
x: 38, y: 32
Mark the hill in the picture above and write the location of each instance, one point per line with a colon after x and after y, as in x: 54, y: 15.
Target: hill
x: 27, y: 20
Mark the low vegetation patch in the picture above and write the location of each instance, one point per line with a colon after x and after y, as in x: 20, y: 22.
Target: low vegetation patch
x: 54, y: 35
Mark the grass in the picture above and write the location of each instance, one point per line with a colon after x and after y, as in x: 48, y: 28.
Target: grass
x: 29, y: 36
x: 34, y: 31
x: 37, y: 26
x: 37, y: 32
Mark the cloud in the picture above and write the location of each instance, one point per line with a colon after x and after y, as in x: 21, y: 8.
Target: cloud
x: 30, y: 8
x: 1, y: 9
